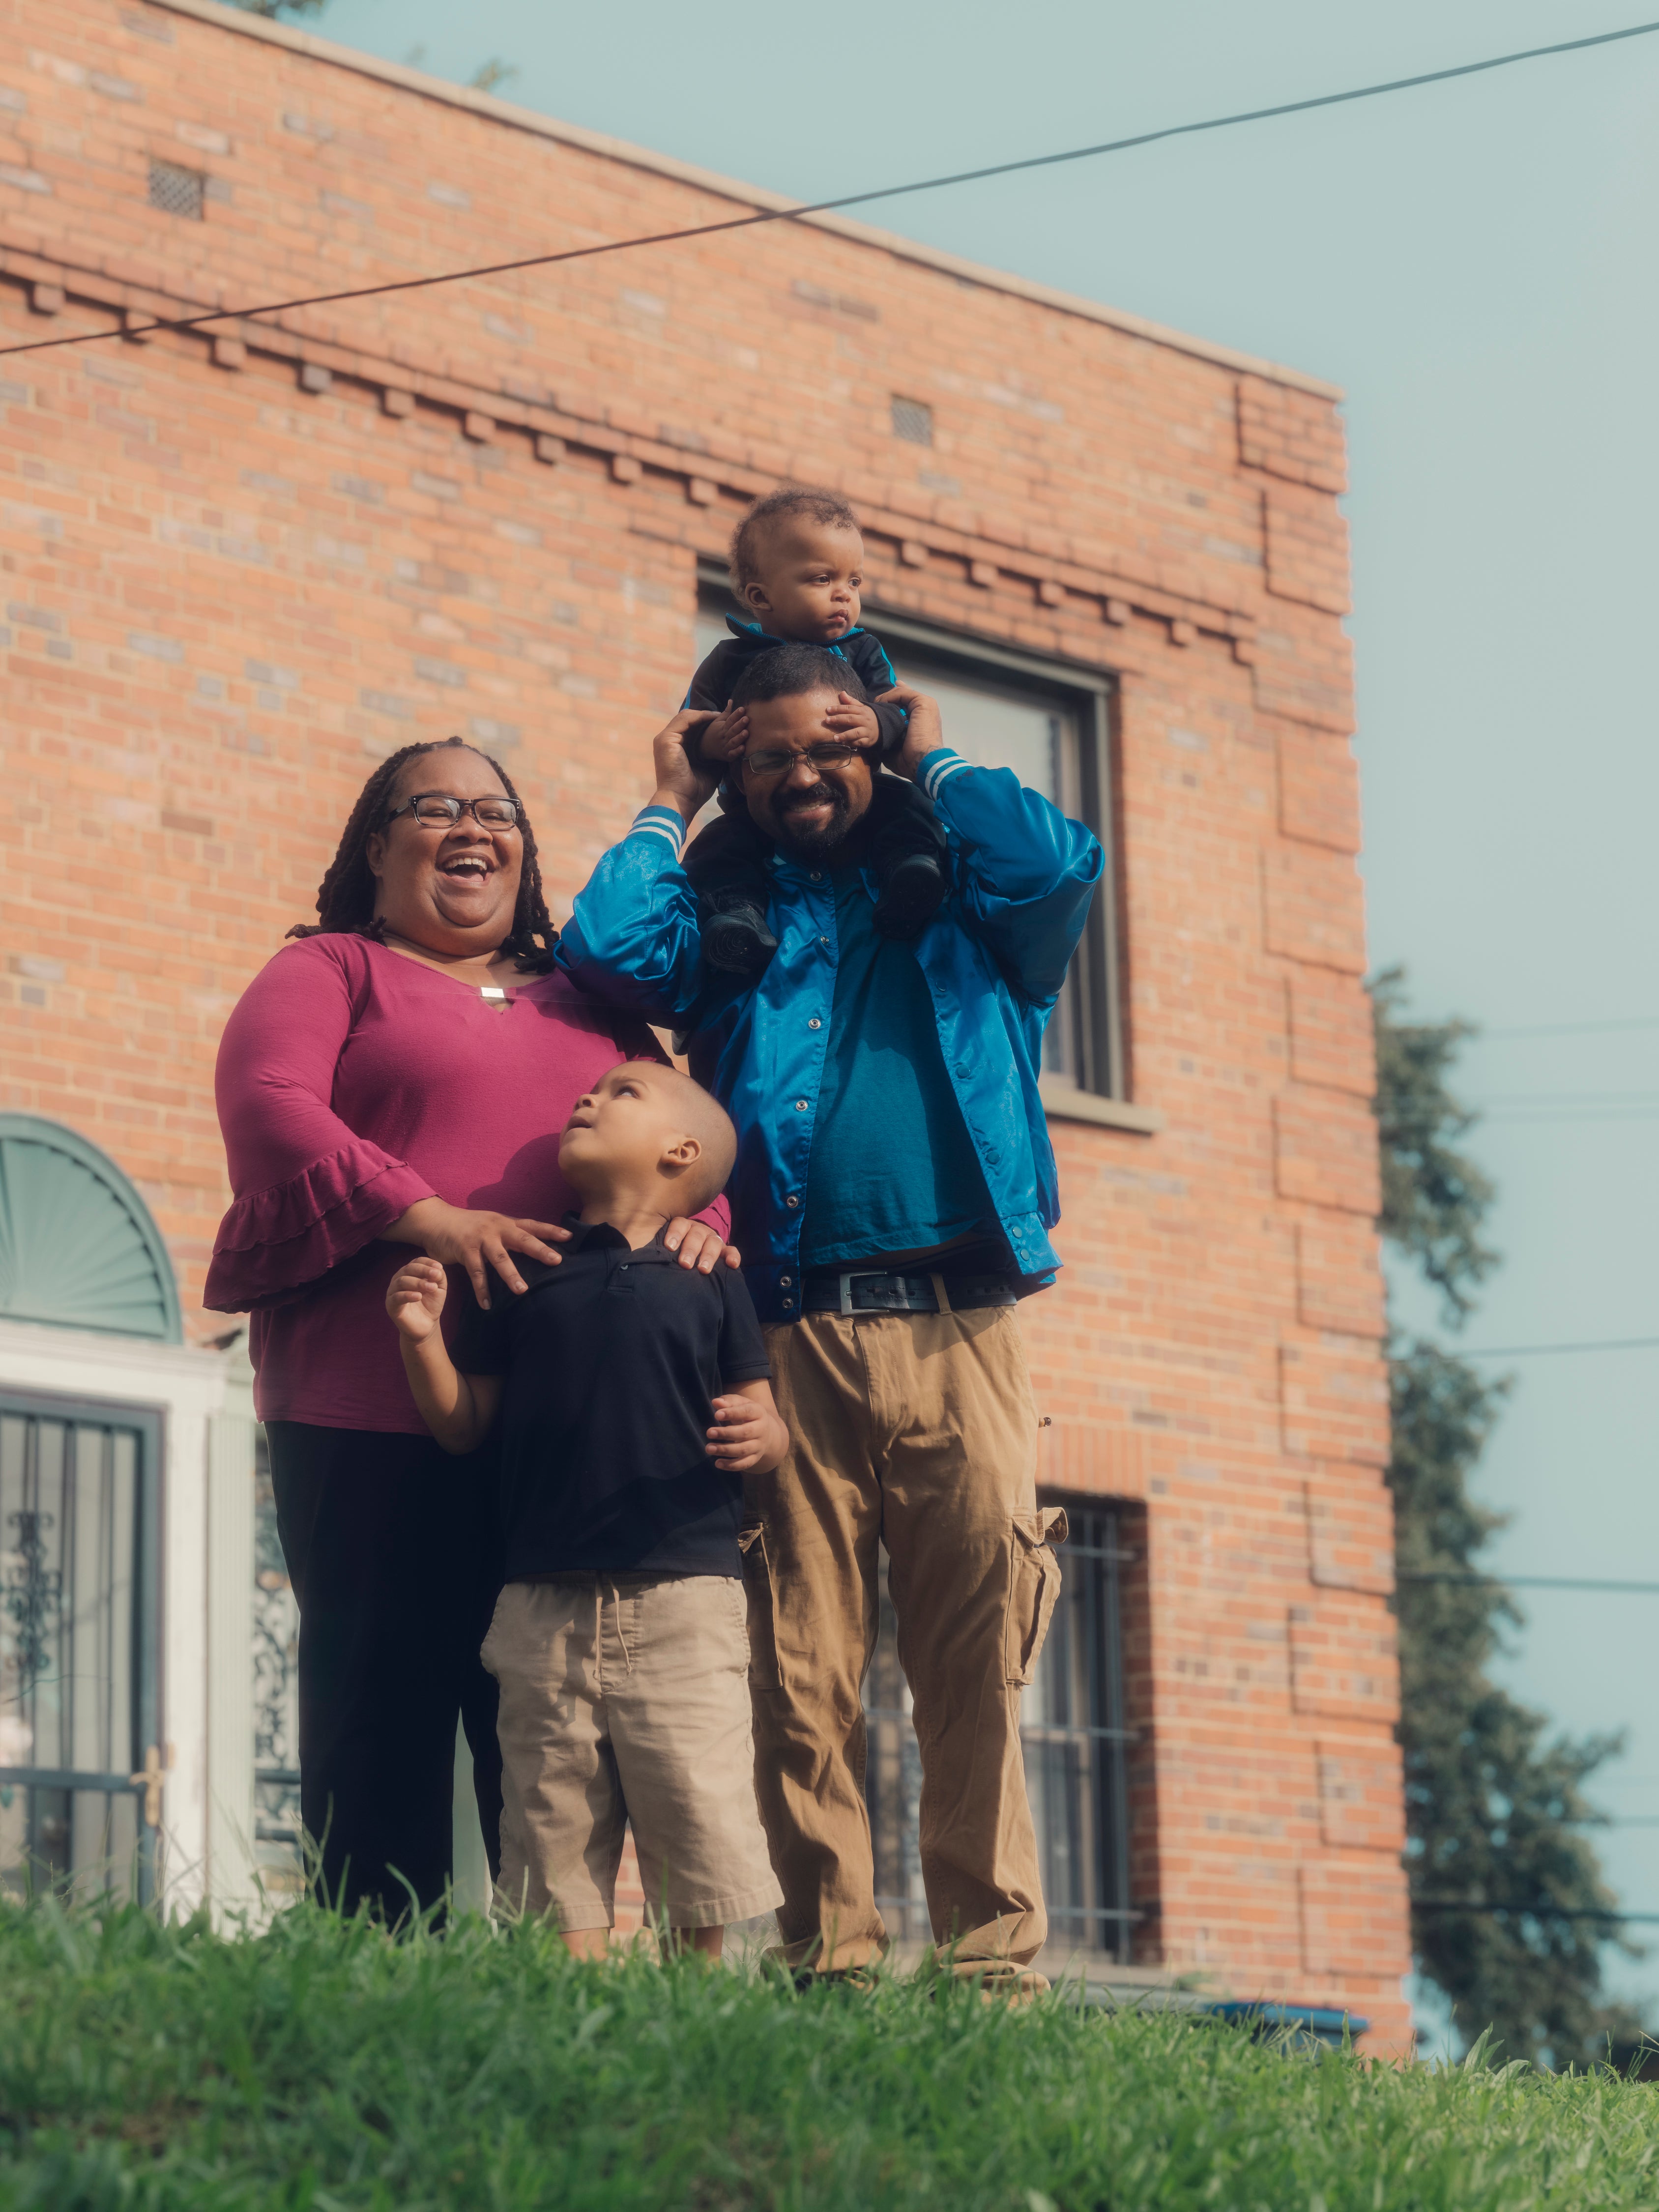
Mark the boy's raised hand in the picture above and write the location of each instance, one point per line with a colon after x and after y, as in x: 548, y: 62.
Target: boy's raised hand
x: 414, y: 1299
x: 850, y: 718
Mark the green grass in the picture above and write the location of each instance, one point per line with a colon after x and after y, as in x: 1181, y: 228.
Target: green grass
x: 319, y: 2065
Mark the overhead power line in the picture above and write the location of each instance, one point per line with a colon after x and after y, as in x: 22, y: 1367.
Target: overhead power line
x: 1570, y: 1029
x: 856, y: 199
x: 1547, y: 1350
x: 1539, y: 1910
x: 1532, y: 1582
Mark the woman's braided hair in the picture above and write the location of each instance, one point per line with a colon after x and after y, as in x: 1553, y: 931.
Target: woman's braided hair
x: 345, y: 897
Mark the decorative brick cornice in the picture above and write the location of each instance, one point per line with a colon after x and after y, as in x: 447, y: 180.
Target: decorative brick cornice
x: 1106, y: 595
x: 599, y: 142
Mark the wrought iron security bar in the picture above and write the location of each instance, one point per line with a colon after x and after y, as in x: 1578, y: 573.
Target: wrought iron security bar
x: 82, y: 1764
x: 1076, y: 1745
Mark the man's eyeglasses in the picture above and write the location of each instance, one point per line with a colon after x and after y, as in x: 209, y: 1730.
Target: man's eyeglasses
x: 435, y: 810
x: 833, y: 753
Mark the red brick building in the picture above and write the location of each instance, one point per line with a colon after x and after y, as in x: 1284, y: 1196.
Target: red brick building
x: 241, y: 564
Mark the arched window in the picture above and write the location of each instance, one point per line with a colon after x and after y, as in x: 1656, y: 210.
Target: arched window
x: 78, y: 1249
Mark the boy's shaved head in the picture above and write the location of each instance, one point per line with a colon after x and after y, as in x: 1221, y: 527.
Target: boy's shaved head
x: 707, y: 1121
x: 646, y: 1129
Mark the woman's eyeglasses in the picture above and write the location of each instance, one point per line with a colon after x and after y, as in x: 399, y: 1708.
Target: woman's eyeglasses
x: 436, y: 810
x: 833, y: 753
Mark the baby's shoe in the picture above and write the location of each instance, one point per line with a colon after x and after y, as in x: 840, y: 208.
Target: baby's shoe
x: 735, y: 936
x: 911, y: 897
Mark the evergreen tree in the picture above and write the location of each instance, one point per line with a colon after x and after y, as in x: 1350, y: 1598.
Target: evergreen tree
x: 1495, y: 1815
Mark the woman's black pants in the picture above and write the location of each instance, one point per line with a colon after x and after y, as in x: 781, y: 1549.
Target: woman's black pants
x: 391, y: 1547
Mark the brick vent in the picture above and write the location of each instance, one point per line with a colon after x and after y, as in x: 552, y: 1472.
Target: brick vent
x: 913, y: 421
x: 176, y: 190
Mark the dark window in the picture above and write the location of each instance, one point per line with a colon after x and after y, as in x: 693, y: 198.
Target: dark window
x: 913, y: 421
x: 1075, y: 1741
x: 1052, y: 726
x: 176, y: 190
x: 80, y: 1524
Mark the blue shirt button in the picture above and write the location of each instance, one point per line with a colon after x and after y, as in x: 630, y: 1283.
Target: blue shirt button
x: 800, y: 1105
x: 785, y: 1280
x: 815, y: 1023
x: 792, y: 1199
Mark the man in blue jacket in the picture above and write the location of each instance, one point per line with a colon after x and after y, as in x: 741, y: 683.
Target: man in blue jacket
x: 893, y: 1193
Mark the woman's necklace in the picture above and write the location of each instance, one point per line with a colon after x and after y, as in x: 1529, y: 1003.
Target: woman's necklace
x: 493, y: 994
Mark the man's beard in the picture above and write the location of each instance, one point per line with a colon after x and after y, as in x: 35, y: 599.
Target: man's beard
x: 822, y: 839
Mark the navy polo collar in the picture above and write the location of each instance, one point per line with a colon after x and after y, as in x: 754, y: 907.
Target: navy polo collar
x: 600, y: 1236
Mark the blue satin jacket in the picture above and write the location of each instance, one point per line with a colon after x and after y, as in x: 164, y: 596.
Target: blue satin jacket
x: 995, y: 957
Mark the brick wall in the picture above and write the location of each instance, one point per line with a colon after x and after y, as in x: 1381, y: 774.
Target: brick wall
x: 240, y: 567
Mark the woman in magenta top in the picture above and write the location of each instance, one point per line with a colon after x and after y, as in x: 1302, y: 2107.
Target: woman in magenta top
x: 398, y: 1078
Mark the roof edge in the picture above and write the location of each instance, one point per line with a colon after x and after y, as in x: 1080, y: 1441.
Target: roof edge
x: 244, y: 24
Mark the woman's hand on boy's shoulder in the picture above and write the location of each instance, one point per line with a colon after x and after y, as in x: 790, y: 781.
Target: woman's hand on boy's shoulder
x: 480, y: 1241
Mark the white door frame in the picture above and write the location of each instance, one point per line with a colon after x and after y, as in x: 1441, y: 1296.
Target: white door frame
x: 205, y: 1402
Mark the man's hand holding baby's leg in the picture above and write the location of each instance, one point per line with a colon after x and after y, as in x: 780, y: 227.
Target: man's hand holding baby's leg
x: 416, y: 1298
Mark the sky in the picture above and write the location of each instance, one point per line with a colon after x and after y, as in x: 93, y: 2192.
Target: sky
x: 1473, y: 263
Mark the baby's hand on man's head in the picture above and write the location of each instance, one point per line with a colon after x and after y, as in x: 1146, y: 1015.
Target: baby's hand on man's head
x: 414, y: 1299
x: 847, y: 718
x: 726, y: 738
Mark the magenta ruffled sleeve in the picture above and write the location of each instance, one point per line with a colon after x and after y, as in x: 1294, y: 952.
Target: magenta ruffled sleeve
x: 310, y: 1192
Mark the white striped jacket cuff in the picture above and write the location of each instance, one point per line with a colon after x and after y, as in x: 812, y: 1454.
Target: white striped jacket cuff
x: 938, y: 768
x: 661, y: 821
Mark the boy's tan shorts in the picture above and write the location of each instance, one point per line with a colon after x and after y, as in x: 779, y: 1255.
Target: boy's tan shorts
x: 626, y: 1698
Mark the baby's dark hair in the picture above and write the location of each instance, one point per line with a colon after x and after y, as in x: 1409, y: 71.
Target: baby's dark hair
x: 827, y: 507
x: 345, y: 897
x: 788, y: 670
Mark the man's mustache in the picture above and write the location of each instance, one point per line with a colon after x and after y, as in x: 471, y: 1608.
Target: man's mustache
x: 817, y: 795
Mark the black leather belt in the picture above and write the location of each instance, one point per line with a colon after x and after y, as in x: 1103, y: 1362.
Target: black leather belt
x: 859, y: 1290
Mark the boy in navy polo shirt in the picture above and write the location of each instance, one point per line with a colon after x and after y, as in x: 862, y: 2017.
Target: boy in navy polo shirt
x: 633, y: 1395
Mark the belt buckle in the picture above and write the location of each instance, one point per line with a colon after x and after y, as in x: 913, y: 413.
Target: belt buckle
x: 845, y: 1277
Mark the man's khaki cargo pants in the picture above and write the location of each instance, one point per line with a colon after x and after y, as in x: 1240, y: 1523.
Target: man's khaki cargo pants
x: 918, y: 1430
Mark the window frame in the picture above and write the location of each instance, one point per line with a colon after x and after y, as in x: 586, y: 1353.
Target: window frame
x: 1094, y: 999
